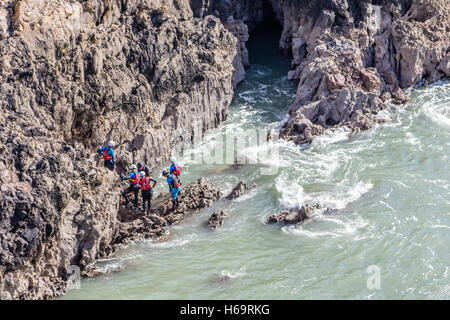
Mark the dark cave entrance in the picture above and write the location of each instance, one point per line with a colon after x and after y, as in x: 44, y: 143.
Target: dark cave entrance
x: 268, y: 13
x: 263, y: 44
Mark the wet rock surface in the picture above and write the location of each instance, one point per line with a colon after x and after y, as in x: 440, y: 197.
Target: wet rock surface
x: 217, y: 218
x: 293, y: 216
x: 240, y: 189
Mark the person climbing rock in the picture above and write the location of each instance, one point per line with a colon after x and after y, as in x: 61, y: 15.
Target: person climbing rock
x: 145, y: 168
x: 108, y: 155
x: 134, y: 179
x: 175, y: 169
x: 174, y: 187
x: 147, y: 190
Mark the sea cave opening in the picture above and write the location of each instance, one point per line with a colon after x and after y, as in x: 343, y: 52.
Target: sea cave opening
x: 264, y: 40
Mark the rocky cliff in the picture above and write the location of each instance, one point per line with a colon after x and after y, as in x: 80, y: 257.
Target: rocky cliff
x: 74, y: 74
x: 350, y: 57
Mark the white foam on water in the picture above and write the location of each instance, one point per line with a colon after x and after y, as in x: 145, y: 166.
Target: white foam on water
x: 439, y: 114
x: 439, y: 226
x: 248, y: 96
x: 267, y: 153
x: 324, y: 226
x: 331, y: 136
x: 176, y: 242
x: 292, y: 193
x: 411, y: 139
x: 384, y: 114
x: 110, y: 267
x: 435, y: 104
x: 233, y: 275
x: 259, y: 71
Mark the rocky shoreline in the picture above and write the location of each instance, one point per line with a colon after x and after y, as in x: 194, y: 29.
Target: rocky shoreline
x: 75, y: 74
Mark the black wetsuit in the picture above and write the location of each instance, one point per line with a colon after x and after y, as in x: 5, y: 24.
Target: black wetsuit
x: 132, y: 188
x: 147, y: 195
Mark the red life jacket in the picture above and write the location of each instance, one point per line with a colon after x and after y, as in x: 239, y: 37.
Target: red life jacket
x: 106, y: 156
x: 145, y: 183
x: 177, y: 171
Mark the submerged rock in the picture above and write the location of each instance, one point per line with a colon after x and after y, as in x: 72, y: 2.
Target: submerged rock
x: 293, y: 216
x: 94, y: 271
x: 217, y: 218
x: 221, y: 278
x: 240, y: 189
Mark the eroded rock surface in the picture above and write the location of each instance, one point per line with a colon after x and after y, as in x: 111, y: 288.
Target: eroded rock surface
x: 74, y: 74
x: 134, y: 225
x: 240, y: 189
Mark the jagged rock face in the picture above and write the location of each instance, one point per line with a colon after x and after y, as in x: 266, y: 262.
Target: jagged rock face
x: 74, y: 74
x: 135, y: 225
x: 240, y: 189
x: 350, y: 57
x: 117, y: 72
x: 55, y: 211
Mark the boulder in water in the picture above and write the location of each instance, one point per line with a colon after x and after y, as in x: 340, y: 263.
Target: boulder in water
x: 216, y: 219
x: 294, y: 215
x: 239, y: 190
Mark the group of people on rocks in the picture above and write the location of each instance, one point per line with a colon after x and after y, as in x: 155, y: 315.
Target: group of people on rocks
x: 140, y: 179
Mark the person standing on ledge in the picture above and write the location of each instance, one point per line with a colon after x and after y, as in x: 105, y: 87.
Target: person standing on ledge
x: 147, y: 190
x: 108, y: 155
x: 175, y: 169
x: 134, y: 186
x: 174, y: 187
